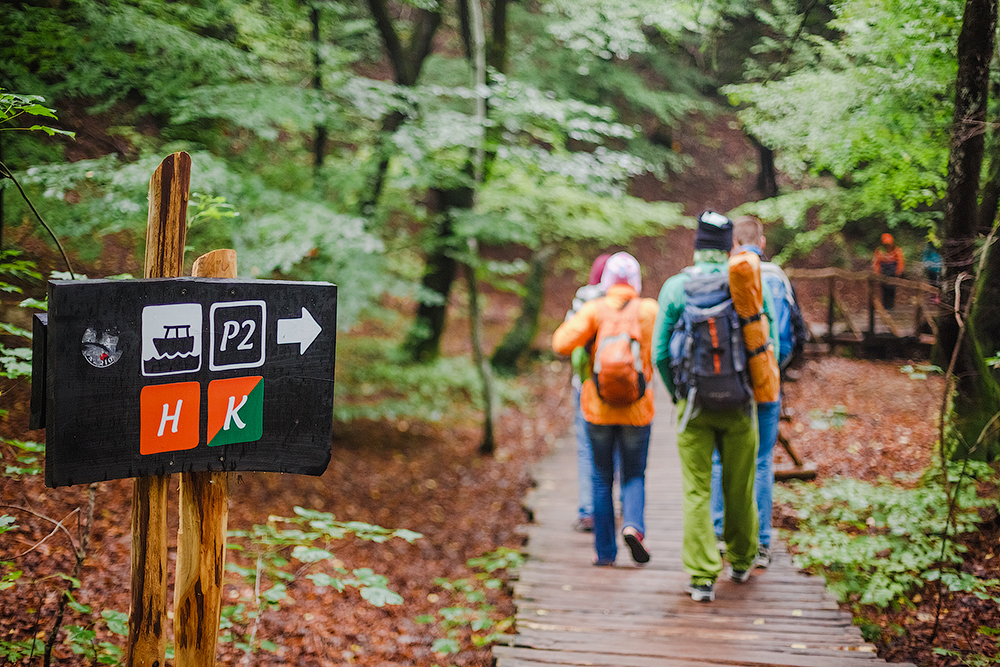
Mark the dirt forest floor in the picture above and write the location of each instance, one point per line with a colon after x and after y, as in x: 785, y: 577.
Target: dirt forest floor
x: 419, y: 477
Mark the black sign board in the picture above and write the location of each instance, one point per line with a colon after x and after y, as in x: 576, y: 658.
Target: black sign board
x: 149, y: 377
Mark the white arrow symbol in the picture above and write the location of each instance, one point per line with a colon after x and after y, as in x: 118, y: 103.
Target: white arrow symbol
x: 302, y: 330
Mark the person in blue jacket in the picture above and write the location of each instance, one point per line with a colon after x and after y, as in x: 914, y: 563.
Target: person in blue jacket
x: 748, y: 234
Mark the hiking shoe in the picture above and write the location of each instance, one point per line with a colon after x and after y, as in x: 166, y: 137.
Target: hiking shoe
x: 700, y: 592
x: 739, y: 576
x: 584, y: 524
x: 633, y: 539
x: 763, y: 558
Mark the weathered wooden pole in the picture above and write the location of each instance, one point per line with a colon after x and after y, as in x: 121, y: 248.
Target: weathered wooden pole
x: 871, y: 310
x: 830, y: 339
x: 201, y: 535
x: 166, y: 230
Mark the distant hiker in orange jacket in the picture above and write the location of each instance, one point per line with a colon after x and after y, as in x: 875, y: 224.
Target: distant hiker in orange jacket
x: 888, y: 261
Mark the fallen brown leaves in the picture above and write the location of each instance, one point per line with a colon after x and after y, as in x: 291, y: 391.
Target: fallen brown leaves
x: 421, y: 477
x: 887, y: 423
x: 403, y: 475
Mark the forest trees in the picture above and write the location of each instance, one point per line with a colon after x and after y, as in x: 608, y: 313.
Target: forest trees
x: 876, y: 108
x: 347, y: 150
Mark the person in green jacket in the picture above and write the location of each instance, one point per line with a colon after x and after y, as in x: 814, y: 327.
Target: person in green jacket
x: 733, y: 431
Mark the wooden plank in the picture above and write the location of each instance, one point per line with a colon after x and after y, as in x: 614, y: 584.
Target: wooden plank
x: 847, y: 316
x: 887, y: 318
x: 747, y: 647
x: 571, y: 613
x: 203, y: 508
x: 679, y: 623
x: 696, y: 657
x: 166, y: 230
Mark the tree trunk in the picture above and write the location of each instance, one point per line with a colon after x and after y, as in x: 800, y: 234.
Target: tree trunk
x: 521, y: 336
x: 977, y: 394
x: 319, y: 148
x: 406, y: 61
x: 990, y: 200
x: 423, y: 341
x: 767, y: 180
x: 2, y: 190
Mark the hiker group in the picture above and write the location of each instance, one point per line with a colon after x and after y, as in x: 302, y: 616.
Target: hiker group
x: 719, y: 334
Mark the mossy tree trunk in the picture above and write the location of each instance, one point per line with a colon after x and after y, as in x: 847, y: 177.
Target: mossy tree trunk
x: 406, y: 61
x: 977, y: 393
x: 518, y: 341
x: 423, y: 341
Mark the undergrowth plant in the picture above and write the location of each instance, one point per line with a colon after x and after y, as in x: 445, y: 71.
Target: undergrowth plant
x: 376, y: 384
x: 876, y: 543
x: 470, y: 612
x: 286, y: 549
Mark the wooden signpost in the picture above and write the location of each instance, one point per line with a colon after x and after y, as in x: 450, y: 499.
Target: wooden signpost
x: 203, y: 508
x: 198, y: 376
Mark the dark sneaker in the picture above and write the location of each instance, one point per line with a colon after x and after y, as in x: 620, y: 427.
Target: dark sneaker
x: 700, y: 592
x: 763, y: 558
x: 633, y: 539
x: 739, y: 576
x: 584, y: 524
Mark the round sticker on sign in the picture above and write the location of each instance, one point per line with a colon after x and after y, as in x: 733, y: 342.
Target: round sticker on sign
x: 101, y: 349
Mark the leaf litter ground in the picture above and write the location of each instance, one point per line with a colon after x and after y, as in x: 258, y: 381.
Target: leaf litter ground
x: 851, y: 418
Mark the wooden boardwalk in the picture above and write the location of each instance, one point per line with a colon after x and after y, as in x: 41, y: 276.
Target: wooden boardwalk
x: 571, y: 613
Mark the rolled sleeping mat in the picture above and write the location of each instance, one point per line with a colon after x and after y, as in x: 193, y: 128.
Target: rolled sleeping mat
x: 748, y: 298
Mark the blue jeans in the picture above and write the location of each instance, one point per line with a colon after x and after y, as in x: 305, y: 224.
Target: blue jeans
x: 631, y: 443
x: 584, y: 461
x: 768, y: 415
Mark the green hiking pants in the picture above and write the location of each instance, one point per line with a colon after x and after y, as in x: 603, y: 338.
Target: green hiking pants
x: 734, y: 432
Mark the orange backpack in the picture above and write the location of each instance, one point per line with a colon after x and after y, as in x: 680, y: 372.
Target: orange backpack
x: 618, y: 372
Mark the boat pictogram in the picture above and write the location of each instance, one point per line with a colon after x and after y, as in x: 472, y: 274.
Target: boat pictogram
x: 173, y: 343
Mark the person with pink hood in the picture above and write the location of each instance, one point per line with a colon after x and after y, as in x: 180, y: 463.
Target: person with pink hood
x: 612, y: 427
x: 581, y: 371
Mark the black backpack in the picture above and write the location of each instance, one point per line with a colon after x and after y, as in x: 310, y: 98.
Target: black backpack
x: 707, y: 357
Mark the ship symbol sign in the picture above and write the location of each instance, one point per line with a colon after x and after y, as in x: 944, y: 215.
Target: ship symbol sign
x: 171, y: 339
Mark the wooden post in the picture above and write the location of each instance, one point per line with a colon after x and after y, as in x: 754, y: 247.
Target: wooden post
x: 871, y: 309
x: 831, y: 341
x: 201, y: 535
x: 166, y: 230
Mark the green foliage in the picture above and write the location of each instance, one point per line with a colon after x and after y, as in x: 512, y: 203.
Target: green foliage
x: 471, y: 615
x: 872, y: 110
x: 83, y: 640
x: 15, y: 362
x: 546, y: 208
x: 19, y: 650
x: 877, y: 543
x: 822, y: 420
x: 13, y: 106
x: 376, y: 384
x: 270, y: 549
x: 275, y: 233
x: 920, y: 371
x: 21, y: 457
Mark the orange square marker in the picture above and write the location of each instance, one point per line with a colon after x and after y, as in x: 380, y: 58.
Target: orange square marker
x: 169, y: 416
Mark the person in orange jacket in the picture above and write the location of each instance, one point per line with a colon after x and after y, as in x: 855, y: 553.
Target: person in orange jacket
x: 888, y: 261
x: 624, y: 428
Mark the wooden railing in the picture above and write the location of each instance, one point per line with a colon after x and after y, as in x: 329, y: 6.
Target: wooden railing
x: 876, y: 311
